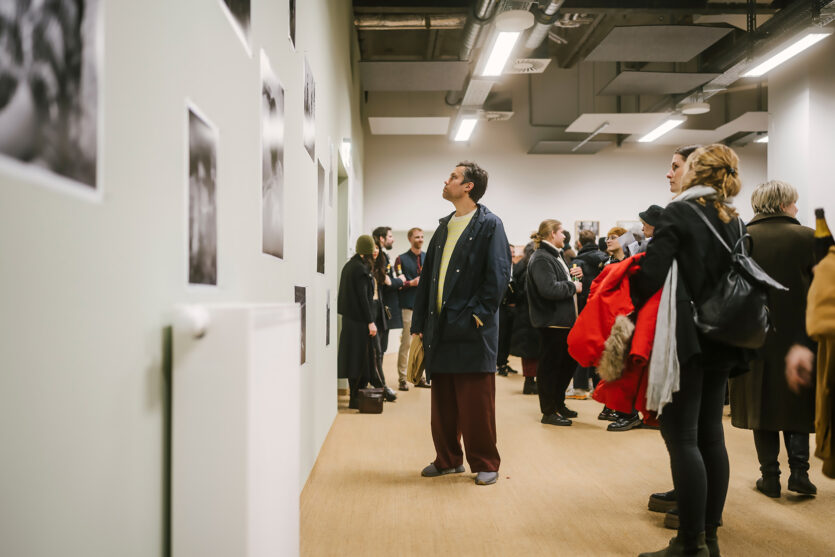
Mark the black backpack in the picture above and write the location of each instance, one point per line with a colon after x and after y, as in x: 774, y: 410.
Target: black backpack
x: 736, y: 311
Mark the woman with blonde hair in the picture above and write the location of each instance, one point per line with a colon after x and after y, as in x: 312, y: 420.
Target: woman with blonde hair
x: 688, y: 371
x: 552, y: 304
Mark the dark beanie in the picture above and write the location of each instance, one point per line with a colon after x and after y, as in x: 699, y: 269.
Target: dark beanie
x: 365, y: 245
x: 652, y: 215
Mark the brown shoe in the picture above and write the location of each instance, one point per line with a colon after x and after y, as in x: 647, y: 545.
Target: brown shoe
x: 423, y: 384
x: 403, y: 386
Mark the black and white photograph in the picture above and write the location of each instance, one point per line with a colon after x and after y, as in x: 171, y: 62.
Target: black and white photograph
x: 309, y: 125
x: 293, y: 24
x: 272, y: 161
x: 320, y: 222
x: 202, y: 199
x: 301, y: 299
x: 239, y: 13
x: 50, y: 61
x: 592, y: 225
x: 328, y: 320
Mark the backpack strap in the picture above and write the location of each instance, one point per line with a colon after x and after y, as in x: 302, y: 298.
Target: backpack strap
x: 719, y: 237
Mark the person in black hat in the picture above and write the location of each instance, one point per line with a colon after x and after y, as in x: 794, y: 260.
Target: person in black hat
x: 650, y: 218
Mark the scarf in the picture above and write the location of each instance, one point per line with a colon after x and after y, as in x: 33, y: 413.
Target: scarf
x: 664, y: 368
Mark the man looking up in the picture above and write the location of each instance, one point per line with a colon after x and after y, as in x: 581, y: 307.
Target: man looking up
x: 409, y: 264
x: 466, y: 272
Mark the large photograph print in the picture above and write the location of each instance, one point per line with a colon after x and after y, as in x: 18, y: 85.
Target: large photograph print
x: 301, y: 299
x: 240, y: 12
x: 49, y: 79
x: 320, y: 222
x: 272, y: 161
x: 309, y: 125
x: 202, y: 200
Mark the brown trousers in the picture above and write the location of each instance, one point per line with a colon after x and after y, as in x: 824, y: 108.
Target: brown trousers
x: 464, y: 405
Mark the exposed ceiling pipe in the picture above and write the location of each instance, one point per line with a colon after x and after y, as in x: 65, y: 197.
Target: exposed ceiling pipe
x: 545, y: 18
x: 483, y: 11
x: 391, y: 22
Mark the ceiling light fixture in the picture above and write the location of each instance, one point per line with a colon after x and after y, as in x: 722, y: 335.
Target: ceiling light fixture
x: 763, y: 139
x: 502, y: 47
x: 465, y: 128
x: 695, y: 108
x: 777, y: 58
x: 667, y: 125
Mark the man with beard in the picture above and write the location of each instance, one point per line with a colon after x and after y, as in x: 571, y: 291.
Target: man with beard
x: 409, y: 265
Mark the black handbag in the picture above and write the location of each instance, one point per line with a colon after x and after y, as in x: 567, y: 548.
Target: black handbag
x: 736, y: 311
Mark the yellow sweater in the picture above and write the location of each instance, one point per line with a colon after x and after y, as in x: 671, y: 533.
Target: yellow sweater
x: 454, y: 228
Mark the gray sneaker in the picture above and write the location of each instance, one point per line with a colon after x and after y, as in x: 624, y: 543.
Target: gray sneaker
x: 432, y: 471
x: 486, y: 478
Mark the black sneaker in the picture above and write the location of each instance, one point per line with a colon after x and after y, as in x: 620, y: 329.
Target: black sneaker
x: 502, y: 371
x: 625, y: 423
x: 565, y: 412
x: 509, y: 369
x: 662, y: 502
x: 607, y: 414
x: 554, y: 419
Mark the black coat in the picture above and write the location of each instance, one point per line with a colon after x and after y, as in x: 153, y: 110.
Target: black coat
x: 524, y: 338
x: 408, y: 263
x: 592, y: 261
x: 477, y: 277
x: 702, y: 260
x: 390, y: 297
x: 354, y: 305
x: 550, y: 290
x: 762, y: 399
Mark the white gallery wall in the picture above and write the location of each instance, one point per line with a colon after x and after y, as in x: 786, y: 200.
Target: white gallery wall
x: 88, y: 283
x: 404, y: 176
x: 801, y: 135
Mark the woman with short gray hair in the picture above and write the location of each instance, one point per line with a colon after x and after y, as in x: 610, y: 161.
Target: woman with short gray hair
x: 761, y: 399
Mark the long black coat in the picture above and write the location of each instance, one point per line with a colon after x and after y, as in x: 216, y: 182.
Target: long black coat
x: 524, y: 339
x: 762, y: 399
x: 592, y: 261
x: 477, y: 277
x: 354, y: 305
x: 550, y: 290
x: 702, y: 260
x: 390, y: 296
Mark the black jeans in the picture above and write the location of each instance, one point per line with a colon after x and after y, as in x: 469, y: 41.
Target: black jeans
x: 692, y: 429
x: 768, y: 447
x: 554, y: 369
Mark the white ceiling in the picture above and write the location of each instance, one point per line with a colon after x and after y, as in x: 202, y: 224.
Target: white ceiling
x: 625, y: 122
x: 435, y: 125
x: 748, y: 122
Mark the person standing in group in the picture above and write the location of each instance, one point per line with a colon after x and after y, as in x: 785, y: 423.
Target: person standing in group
x: 409, y: 265
x: 524, y: 340
x: 761, y: 399
x: 613, y: 246
x: 686, y: 258
x: 507, y: 313
x: 464, y: 277
x: 552, y: 290
x: 355, y: 305
x: 389, y: 287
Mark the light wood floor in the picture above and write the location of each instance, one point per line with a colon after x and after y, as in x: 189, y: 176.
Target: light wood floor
x: 578, y: 490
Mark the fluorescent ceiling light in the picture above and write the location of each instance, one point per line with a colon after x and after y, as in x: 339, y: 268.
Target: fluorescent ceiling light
x: 780, y: 57
x: 502, y: 47
x: 669, y: 124
x: 763, y: 139
x: 465, y: 129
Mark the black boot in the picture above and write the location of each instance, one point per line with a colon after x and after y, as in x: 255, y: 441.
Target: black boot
x: 389, y: 393
x: 769, y: 485
x: 712, y: 541
x: 767, y: 444
x: 677, y: 548
x: 797, y: 445
x: 662, y: 502
x: 529, y: 388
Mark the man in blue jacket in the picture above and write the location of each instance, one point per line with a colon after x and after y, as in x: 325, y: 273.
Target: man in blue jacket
x: 461, y: 285
x: 409, y: 264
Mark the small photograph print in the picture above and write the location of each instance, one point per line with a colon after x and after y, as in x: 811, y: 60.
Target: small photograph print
x: 202, y: 200
x: 301, y: 299
x: 320, y: 222
x: 580, y: 225
x: 293, y: 24
x: 272, y: 161
x: 328, y: 320
x: 239, y: 11
x: 309, y: 125
x: 50, y: 52
x: 331, y: 174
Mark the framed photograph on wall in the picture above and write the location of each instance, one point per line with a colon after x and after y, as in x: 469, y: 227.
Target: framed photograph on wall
x: 50, y: 86
x: 301, y: 299
x: 593, y: 225
x: 320, y: 221
x: 239, y: 15
x: 328, y: 319
x: 309, y: 124
x: 202, y: 198
x: 292, y: 18
x: 272, y: 161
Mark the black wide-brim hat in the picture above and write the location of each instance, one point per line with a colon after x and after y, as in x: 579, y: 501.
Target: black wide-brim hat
x: 652, y: 215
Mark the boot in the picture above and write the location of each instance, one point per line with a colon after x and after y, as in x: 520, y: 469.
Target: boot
x: 502, y: 370
x: 389, y: 394
x: 769, y: 485
x: 662, y: 502
x: 677, y: 549
x: 712, y: 541
x: 529, y: 388
x: 767, y: 444
x: 797, y: 445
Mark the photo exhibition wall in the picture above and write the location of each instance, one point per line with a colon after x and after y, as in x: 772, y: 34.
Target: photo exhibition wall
x: 156, y: 154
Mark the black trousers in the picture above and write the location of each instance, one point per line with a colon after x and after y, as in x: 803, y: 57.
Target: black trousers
x: 505, y: 332
x: 372, y: 374
x: 692, y: 429
x: 554, y: 369
x: 768, y: 447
